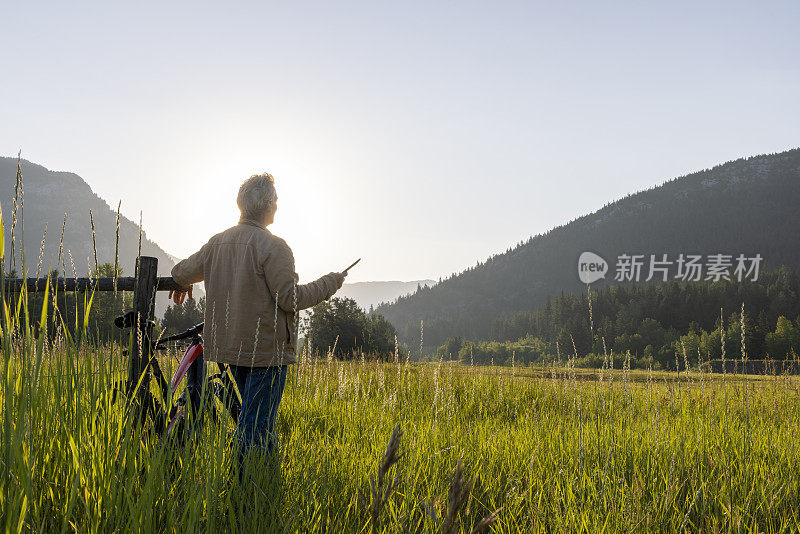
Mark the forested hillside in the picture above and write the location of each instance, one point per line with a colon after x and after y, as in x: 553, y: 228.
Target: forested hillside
x: 46, y: 197
x: 747, y: 206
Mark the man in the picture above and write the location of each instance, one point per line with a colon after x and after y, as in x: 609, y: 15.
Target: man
x: 252, y: 305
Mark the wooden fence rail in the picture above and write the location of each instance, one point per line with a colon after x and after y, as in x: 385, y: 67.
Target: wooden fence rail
x: 127, y: 283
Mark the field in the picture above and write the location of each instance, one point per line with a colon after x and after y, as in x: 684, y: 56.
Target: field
x: 549, y: 450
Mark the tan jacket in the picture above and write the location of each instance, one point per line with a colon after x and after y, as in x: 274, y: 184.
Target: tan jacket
x: 252, y: 295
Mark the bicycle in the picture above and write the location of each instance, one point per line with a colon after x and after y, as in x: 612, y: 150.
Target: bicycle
x: 200, y: 392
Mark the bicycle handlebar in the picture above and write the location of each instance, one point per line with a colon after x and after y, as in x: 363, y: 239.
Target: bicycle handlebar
x: 191, y: 332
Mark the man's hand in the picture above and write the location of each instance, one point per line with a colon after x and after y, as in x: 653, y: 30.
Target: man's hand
x: 339, y: 277
x: 179, y: 296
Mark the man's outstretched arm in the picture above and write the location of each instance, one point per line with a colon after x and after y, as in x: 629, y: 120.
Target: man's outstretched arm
x: 282, y: 281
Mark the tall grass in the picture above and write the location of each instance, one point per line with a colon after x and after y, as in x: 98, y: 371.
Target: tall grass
x: 551, y: 449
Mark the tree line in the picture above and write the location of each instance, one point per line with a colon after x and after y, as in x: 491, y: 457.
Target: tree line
x: 655, y: 322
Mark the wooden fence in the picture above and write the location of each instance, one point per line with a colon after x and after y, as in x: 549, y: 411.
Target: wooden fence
x: 144, y: 286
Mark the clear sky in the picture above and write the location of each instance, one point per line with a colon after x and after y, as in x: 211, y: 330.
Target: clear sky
x: 422, y: 137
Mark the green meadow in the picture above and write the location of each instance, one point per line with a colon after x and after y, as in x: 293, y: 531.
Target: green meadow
x: 400, y: 447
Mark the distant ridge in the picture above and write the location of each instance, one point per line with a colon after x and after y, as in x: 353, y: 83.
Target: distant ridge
x: 747, y: 206
x: 368, y: 294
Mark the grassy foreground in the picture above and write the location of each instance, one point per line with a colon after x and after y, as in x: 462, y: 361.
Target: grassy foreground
x: 553, y: 451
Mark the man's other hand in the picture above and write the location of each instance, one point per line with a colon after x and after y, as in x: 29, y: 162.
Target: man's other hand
x: 179, y: 296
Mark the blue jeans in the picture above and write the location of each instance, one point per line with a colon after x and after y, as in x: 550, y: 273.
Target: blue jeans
x: 261, y: 389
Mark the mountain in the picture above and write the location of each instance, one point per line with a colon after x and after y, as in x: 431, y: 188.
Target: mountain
x: 368, y: 294
x: 47, y: 195
x: 748, y: 206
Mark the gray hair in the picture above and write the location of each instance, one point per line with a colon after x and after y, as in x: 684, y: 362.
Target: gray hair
x: 256, y: 196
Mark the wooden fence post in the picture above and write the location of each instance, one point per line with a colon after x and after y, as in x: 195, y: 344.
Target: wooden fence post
x: 144, y: 299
